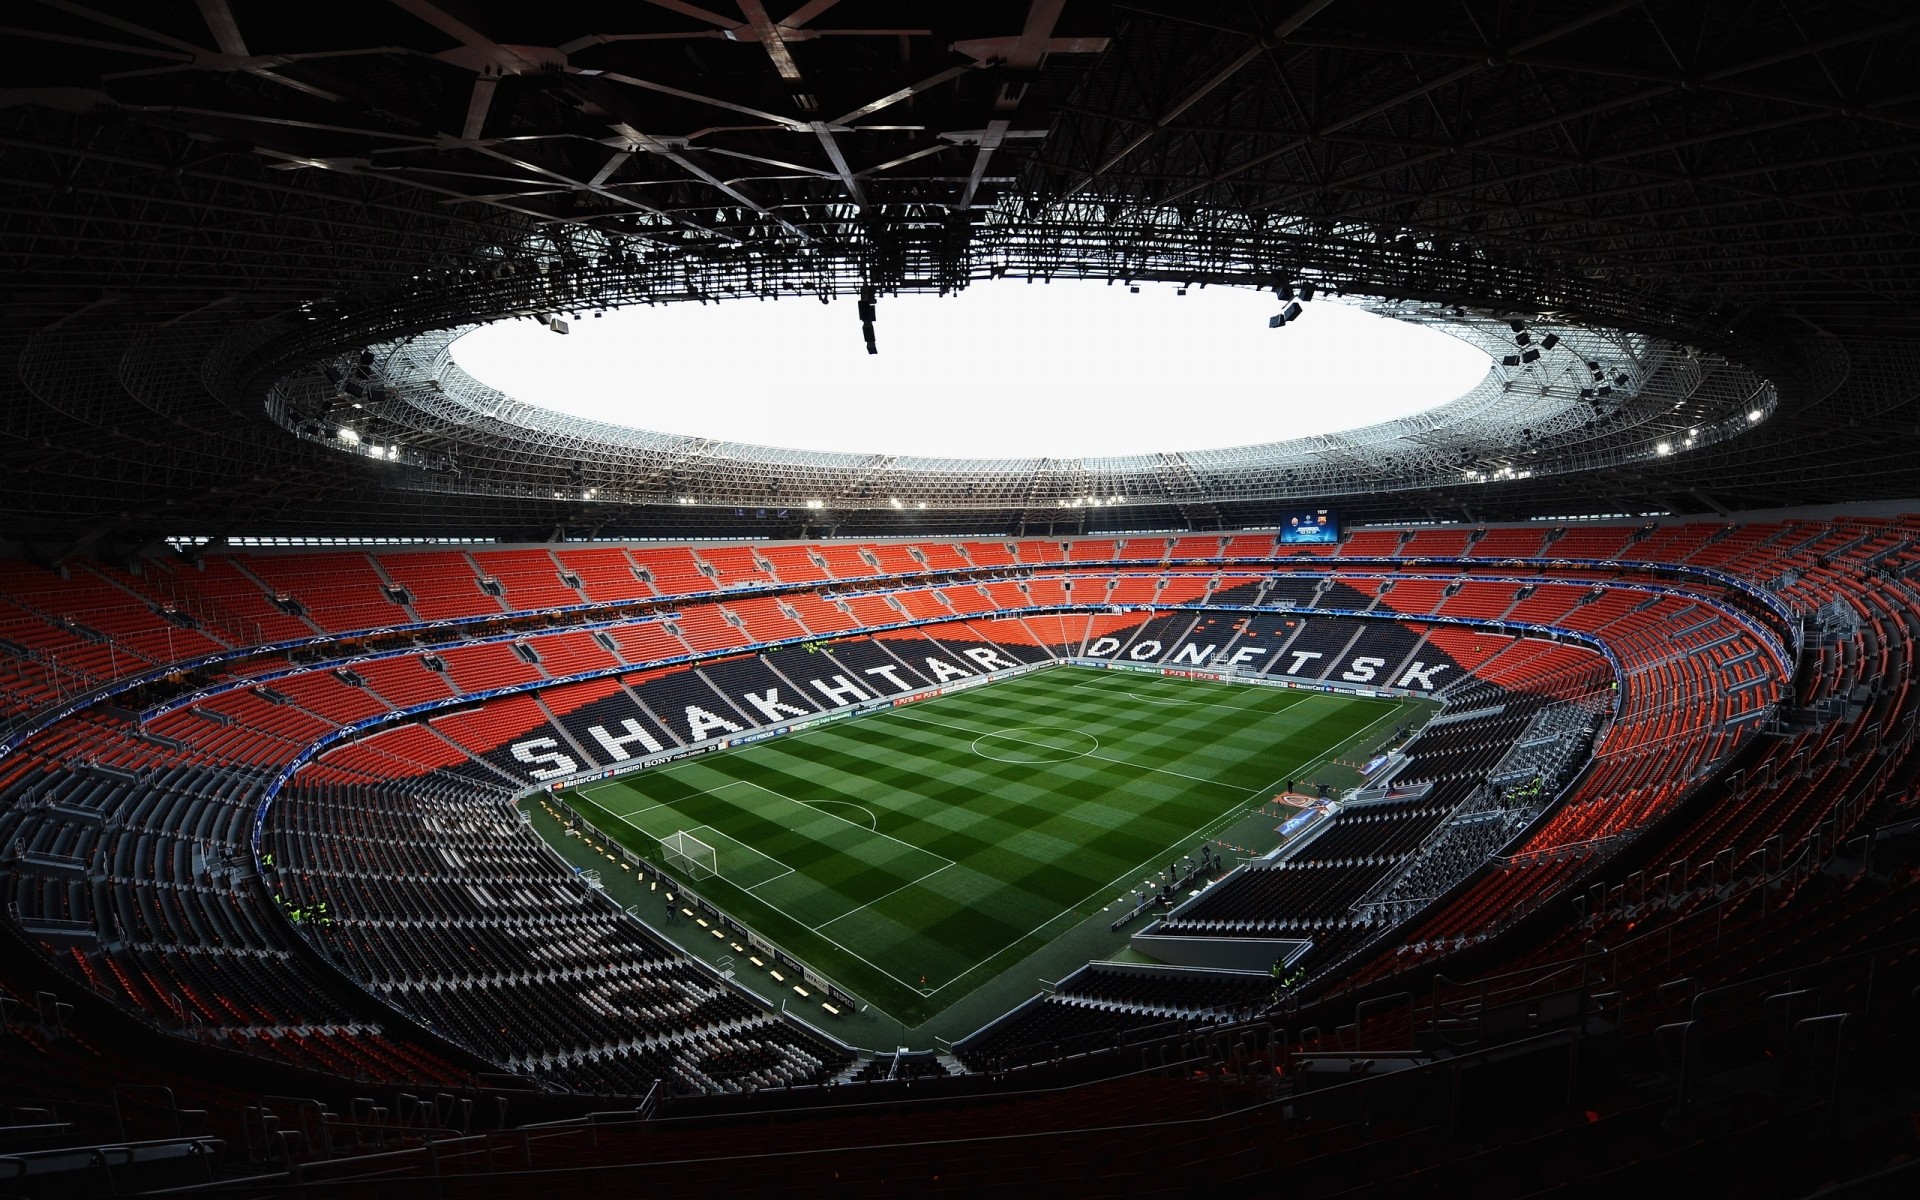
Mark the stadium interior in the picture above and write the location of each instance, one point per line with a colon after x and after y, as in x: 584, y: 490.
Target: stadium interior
x: 408, y: 789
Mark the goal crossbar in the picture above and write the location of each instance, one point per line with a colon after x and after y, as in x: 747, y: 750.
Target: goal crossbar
x: 690, y: 854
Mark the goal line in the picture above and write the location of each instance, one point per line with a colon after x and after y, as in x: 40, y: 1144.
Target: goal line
x: 691, y: 855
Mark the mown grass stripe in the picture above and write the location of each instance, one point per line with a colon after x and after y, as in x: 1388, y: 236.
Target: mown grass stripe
x: 979, y: 857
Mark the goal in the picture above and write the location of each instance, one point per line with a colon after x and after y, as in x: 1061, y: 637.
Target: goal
x: 690, y: 854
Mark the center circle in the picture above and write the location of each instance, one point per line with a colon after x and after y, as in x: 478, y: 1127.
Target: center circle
x: 1034, y: 745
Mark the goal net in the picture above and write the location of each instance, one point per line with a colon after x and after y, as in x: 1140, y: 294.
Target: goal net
x: 691, y: 855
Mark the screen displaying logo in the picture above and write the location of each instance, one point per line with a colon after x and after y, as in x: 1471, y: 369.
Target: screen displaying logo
x: 1317, y: 526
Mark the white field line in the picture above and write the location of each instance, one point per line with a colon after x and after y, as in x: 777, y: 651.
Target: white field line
x: 1232, y: 814
x: 877, y: 899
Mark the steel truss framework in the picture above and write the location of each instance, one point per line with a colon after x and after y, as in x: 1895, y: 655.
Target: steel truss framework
x: 202, y: 203
x: 1591, y: 399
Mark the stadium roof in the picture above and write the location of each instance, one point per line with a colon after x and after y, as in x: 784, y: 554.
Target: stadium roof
x: 207, y: 206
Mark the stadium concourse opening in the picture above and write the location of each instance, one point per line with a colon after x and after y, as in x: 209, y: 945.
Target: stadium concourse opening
x: 1071, y: 369
x: 918, y: 852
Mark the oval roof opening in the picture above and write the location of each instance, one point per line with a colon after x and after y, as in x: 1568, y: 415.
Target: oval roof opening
x: 1005, y: 369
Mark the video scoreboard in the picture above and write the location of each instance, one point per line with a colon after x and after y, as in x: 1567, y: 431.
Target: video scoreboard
x: 1309, y: 527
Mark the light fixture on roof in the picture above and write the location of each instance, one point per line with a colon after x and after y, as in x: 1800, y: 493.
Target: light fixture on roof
x: 1290, y: 313
x: 868, y: 311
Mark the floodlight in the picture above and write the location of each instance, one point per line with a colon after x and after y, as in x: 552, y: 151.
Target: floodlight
x: 1306, y: 289
x: 1550, y: 341
x: 1530, y: 355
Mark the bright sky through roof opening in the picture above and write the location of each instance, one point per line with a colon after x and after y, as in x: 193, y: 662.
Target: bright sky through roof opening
x: 1005, y: 369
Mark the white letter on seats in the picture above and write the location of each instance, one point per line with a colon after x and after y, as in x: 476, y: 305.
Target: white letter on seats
x: 1144, y: 650
x: 988, y: 658
x: 617, y: 746
x: 1421, y: 673
x: 1245, y: 655
x: 545, y: 756
x: 944, y: 670
x: 847, y: 691
x: 1100, y: 647
x: 701, y: 723
x: 1301, y: 658
x: 771, y: 706
x: 1191, y: 653
x: 1362, y: 670
x: 892, y: 675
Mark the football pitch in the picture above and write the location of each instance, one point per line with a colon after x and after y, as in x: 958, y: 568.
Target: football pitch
x: 912, y: 854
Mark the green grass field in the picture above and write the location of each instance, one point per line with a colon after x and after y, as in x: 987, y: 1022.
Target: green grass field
x: 912, y: 854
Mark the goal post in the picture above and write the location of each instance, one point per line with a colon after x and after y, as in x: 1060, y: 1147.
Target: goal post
x: 691, y: 855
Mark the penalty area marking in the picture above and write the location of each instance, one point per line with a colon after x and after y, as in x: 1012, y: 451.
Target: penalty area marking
x: 717, y: 836
x: 1205, y: 831
x: 1009, y: 733
x: 1296, y: 694
x: 873, y: 822
x: 754, y: 892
